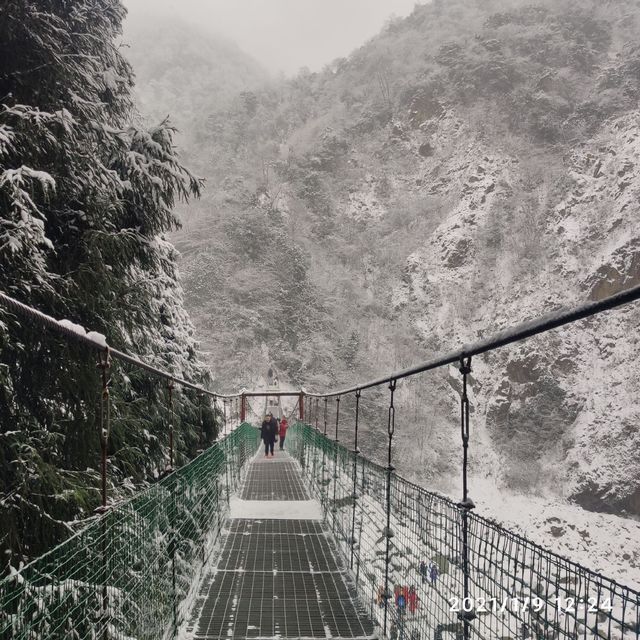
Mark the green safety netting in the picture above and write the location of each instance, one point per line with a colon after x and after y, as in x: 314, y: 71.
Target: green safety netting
x: 133, y: 572
x: 518, y: 590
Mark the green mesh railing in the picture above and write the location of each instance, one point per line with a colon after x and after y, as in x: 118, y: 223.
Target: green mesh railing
x: 518, y: 590
x: 133, y: 572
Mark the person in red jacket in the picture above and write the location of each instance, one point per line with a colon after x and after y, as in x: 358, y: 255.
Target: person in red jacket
x: 412, y: 599
x: 284, y: 425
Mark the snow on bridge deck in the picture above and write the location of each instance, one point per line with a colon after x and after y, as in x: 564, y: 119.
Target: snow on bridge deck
x: 278, y: 574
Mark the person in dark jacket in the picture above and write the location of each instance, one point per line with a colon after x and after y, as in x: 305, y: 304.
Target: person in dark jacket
x: 268, y: 433
x: 284, y: 425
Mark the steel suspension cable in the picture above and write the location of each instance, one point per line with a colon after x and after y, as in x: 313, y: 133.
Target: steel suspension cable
x: 324, y: 489
x: 201, y: 418
x: 224, y: 406
x: 509, y: 336
x: 291, y: 413
x: 251, y: 409
x: 520, y: 332
x: 104, y: 363
x: 325, y: 416
x: 95, y: 341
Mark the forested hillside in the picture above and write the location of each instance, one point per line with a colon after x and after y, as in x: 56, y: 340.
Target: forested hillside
x: 450, y: 178
x: 473, y: 166
x: 183, y: 73
x: 86, y: 198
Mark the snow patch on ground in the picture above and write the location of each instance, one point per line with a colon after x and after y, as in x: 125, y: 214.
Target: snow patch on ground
x: 365, y: 204
x: 276, y: 509
x: 601, y: 542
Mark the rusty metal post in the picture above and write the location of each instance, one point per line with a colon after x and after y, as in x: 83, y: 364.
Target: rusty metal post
x: 201, y: 419
x: 170, y: 388
x: 224, y: 406
x: 104, y: 364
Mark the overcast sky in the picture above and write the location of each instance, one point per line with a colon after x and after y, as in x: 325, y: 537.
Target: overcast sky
x: 284, y: 35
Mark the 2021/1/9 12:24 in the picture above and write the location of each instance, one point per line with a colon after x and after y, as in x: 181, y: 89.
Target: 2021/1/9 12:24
x: 535, y: 604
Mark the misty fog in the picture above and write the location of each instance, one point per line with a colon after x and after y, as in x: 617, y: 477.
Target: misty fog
x: 283, y: 35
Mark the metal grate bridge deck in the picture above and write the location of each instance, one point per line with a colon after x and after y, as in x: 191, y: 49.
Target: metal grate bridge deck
x: 277, y: 576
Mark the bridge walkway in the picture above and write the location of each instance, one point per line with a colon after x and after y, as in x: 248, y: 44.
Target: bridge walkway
x: 278, y: 573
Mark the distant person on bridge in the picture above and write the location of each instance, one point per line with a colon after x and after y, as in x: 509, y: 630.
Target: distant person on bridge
x: 423, y: 571
x: 284, y: 425
x: 268, y: 433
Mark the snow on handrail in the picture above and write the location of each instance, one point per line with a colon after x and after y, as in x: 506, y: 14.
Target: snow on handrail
x: 98, y: 342
x: 509, y: 336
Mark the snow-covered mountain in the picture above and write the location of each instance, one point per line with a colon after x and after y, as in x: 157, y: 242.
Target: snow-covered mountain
x: 184, y: 72
x: 472, y: 167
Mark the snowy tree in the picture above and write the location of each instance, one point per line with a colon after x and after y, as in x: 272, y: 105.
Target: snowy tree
x: 86, y: 194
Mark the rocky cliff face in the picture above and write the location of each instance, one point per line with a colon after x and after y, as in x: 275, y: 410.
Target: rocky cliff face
x: 558, y: 409
x: 512, y: 236
x: 473, y: 167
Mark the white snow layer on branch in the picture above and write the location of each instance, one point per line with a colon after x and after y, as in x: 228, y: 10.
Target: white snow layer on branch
x: 72, y: 326
x: 16, y: 178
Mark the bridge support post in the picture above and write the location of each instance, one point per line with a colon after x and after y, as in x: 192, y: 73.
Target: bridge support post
x: 173, y: 543
x: 323, y: 489
x: 388, y: 533
x: 104, y: 364
x: 467, y: 504
x: 301, y: 407
x: 170, y: 408
x: 200, y: 418
x: 243, y: 408
x: 334, y: 508
x: 224, y: 408
x: 354, y: 497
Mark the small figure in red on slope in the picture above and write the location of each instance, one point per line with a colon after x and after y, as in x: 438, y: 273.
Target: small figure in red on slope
x: 412, y: 599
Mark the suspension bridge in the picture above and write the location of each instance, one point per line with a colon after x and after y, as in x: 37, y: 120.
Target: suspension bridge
x: 318, y: 542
